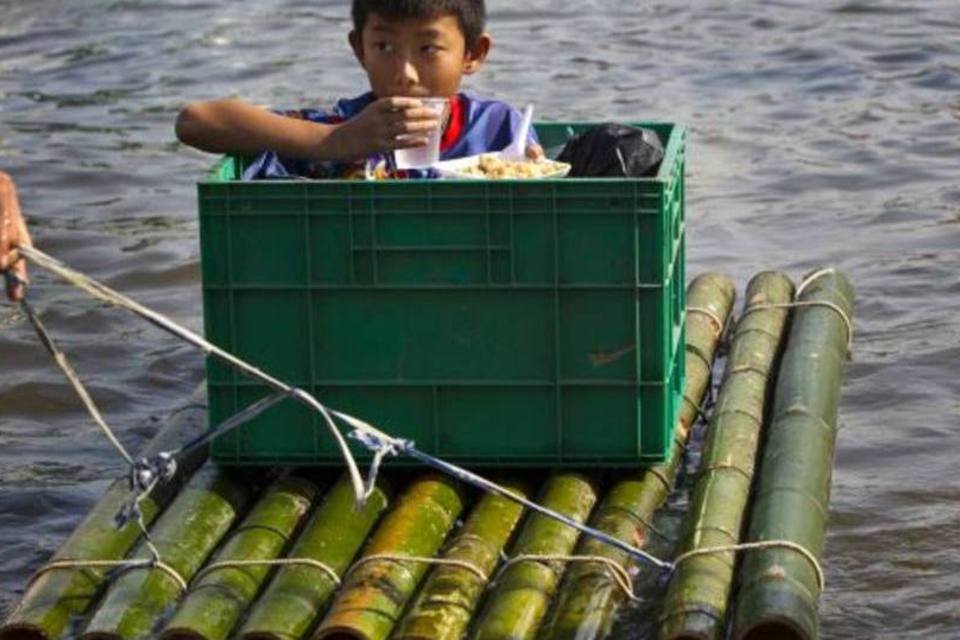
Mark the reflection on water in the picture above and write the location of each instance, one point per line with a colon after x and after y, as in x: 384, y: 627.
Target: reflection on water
x: 822, y: 132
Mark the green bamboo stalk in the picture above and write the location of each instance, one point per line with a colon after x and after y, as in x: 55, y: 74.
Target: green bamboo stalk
x: 710, y: 299
x: 297, y: 595
x: 695, y: 607
x: 216, y: 602
x: 374, y: 593
x: 444, y: 606
x: 589, y: 596
x: 57, y: 598
x: 779, y: 587
x: 185, y: 535
x: 522, y: 593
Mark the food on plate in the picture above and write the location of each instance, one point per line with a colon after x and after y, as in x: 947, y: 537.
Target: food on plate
x: 494, y: 167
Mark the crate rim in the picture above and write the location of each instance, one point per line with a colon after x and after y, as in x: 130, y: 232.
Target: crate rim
x: 675, y: 145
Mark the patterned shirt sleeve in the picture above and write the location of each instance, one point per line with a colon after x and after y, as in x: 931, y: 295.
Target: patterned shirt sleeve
x: 271, y: 166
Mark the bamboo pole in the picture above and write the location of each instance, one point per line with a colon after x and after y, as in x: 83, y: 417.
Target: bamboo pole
x: 184, y: 535
x: 522, y: 593
x: 697, y: 599
x: 374, y: 593
x: 444, y: 606
x: 215, y: 603
x: 710, y: 299
x: 779, y: 587
x: 57, y: 598
x: 297, y: 595
x: 589, y: 596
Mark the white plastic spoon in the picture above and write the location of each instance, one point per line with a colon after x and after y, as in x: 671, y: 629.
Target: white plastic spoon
x: 518, y: 148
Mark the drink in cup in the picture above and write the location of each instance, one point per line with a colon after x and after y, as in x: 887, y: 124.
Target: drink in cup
x: 428, y: 154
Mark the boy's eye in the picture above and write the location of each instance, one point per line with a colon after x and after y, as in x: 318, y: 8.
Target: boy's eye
x: 384, y: 47
x: 430, y: 49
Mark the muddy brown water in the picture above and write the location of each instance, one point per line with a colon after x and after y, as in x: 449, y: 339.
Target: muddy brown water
x: 823, y: 132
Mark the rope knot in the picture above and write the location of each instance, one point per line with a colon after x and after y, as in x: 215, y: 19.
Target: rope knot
x: 381, y: 447
x: 144, y: 475
x: 146, y: 472
x: 127, y: 513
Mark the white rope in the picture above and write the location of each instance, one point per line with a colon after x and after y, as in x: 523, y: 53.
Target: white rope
x: 381, y: 443
x: 73, y: 379
x: 810, y: 279
x: 615, y: 570
x: 381, y: 449
x: 125, y: 565
x: 813, y: 277
x: 277, y: 562
x: 400, y: 559
x: 104, y: 293
x: 806, y: 303
x: 406, y: 447
x: 715, y: 319
x: 763, y: 544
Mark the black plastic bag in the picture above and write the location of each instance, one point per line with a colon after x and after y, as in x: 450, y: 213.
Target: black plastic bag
x: 613, y: 151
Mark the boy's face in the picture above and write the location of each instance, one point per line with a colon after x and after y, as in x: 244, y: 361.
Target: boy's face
x: 416, y: 57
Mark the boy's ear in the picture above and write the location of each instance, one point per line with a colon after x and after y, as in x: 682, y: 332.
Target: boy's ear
x: 477, y: 54
x: 356, y: 43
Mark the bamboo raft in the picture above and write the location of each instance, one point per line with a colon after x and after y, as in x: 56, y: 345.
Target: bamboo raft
x: 285, y: 555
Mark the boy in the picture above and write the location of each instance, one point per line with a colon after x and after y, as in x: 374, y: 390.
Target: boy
x: 410, y: 49
x: 13, y: 233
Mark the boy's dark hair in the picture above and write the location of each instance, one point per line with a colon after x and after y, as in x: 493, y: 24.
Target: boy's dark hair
x: 471, y: 14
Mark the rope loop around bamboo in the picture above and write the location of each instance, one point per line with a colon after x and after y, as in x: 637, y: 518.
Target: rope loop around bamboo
x: 753, y: 546
x: 616, y: 571
x: 813, y: 277
x: 715, y: 319
x: 806, y: 303
x: 123, y: 565
x: 400, y: 559
x: 277, y: 562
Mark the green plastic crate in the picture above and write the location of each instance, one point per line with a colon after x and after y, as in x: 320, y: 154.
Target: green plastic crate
x: 517, y: 323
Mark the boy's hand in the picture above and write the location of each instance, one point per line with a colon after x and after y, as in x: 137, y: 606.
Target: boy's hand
x: 385, y: 125
x: 535, y: 152
x: 13, y: 233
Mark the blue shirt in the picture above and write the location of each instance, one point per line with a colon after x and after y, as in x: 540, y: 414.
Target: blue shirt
x: 475, y: 126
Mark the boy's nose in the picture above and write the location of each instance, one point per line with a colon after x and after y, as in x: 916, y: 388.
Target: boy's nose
x: 408, y: 74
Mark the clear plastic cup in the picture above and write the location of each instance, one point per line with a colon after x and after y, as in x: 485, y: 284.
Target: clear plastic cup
x: 429, y: 154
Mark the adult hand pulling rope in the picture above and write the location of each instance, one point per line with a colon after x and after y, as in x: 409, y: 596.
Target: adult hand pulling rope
x: 13, y: 235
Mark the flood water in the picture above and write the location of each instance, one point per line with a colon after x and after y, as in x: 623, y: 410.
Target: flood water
x: 823, y: 132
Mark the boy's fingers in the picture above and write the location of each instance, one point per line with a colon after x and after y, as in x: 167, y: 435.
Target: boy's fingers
x: 419, y: 113
x: 400, y: 120
x: 397, y: 103
x: 535, y: 152
x: 413, y: 126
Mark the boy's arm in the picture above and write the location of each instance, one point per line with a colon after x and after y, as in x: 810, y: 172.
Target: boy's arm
x: 233, y: 126
x: 13, y: 233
